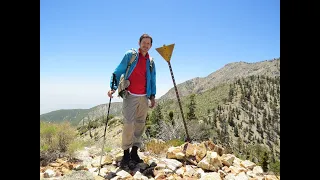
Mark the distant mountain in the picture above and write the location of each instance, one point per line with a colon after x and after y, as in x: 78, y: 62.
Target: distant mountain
x: 197, y: 85
x: 226, y: 74
x: 71, y: 115
x: 102, y: 110
x: 75, y: 116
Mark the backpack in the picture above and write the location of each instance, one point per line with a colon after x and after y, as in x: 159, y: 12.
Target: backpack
x: 123, y: 83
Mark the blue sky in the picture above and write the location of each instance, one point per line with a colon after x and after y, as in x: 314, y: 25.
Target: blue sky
x: 82, y: 42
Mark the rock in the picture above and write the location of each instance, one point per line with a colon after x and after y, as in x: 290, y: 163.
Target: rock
x: 54, y: 164
x: 209, y: 145
x: 79, y: 175
x: 227, y: 159
x: 201, y: 152
x: 119, y: 157
x: 190, y: 171
x: 108, y: 159
x: 270, y: 177
x: 123, y: 174
x: 98, y: 178
x: 199, y: 173
x: 191, y: 150
x: 79, y: 167
x: 173, y: 151
x: 257, y: 170
x: 48, y: 173
x: 242, y: 176
x: 247, y: 164
x: 180, y: 171
x: 210, y: 176
x: 139, y: 176
x: 219, y: 150
x: 110, y: 175
x: 188, y: 161
x: 172, y: 164
x: 210, y: 162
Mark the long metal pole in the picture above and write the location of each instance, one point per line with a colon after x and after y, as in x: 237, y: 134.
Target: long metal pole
x: 177, y: 94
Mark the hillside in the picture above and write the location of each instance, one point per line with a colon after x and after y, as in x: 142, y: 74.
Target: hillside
x: 77, y: 116
x: 71, y: 115
x: 101, y: 111
x: 243, y: 116
x: 226, y: 74
x: 194, y: 86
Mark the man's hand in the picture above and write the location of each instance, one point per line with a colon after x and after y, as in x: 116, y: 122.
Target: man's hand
x: 153, y: 102
x: 110, y: 93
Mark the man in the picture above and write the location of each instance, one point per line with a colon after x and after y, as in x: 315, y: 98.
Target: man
x: 135, y: 103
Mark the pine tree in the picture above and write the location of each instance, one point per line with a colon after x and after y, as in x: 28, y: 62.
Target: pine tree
x: 265, y: 162
x: 192, y: 109
x: 171, y: 118
x: 236, y: 132
x: 158, y: 114
x: 153, y: 123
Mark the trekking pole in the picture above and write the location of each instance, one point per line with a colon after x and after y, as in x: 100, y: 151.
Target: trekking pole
x: 105, y: 128
x: 166, y: 52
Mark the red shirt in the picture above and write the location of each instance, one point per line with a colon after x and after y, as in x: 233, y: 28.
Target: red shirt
x: 138, y: 77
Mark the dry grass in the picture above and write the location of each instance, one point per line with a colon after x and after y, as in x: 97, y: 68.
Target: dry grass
x: 161, y: 147
x: 58, y: 140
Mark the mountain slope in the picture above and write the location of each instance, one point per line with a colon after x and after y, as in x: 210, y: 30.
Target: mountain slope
x: 75, y: 116
x: 197, y: 85
x: 243, y: 115
x: 71, y: 115
x: 224, y: 75
x: 99, y: 111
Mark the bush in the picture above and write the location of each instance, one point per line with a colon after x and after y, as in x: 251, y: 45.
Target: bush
x: 83, y: 129
x: 47, y: 136
x: 107, y: 149
x: 74, y: 146
x: 175, y: 142
x: 104, y: 119
x: 156, y: 147
x: 275, y: 167
x: 58, y: 138
x: 159, y: 147
x: 65, y: 134
x: 112, y: 122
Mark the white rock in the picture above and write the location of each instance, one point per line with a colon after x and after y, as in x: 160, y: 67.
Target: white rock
x: 48, y: 173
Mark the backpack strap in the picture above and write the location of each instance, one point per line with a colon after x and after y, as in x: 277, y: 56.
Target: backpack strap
x: 151, y: 63
x: 133, y: 57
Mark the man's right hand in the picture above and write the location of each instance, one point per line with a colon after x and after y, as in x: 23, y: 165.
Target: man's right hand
x: 110, y: 93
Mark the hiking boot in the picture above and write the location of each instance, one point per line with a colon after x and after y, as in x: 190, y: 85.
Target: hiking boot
x: 134, y: 155
x: 125, y: 159
x: 132, y: 164
x: 124, y: 163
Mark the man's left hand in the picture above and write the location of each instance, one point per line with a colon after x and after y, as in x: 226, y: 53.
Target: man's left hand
x: 153, y: 102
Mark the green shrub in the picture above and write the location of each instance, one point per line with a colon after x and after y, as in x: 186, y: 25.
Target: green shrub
x: 275, y: 167
x: 175, y: 142
x: 58, y: 138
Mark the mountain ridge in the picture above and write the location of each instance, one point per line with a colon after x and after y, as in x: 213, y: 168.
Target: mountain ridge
x: 225, y: 74
x: 196, y: 85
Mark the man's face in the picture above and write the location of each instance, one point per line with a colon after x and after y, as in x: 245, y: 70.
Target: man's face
x: 145, y: 44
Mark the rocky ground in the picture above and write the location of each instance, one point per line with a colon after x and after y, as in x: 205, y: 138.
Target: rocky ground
x: 189, y: 161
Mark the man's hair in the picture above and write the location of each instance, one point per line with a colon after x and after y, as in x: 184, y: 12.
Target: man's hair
x: 145, y: 36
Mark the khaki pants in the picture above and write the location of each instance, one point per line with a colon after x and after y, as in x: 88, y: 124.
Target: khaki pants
x: 135, y: 109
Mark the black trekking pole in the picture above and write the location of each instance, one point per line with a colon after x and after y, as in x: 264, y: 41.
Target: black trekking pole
x: 105, y: 128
